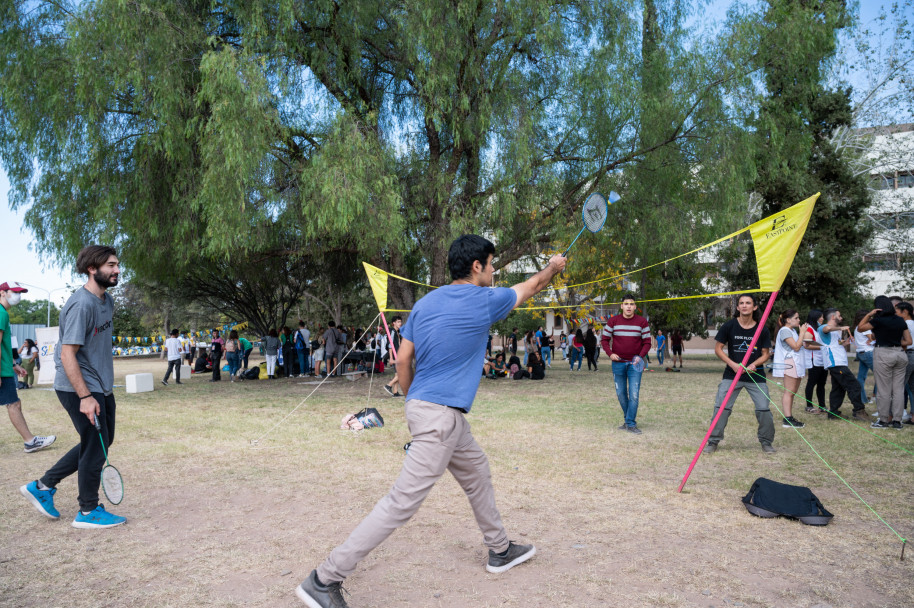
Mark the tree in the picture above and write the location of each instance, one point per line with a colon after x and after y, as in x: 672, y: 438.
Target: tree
x: 795, y: 158
x: 34, y: 312
x: 363, y: 126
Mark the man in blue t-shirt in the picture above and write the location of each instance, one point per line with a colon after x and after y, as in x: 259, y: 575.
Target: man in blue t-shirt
x: 446, y: 336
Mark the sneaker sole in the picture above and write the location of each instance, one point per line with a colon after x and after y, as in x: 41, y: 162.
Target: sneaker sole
x: 24, y: 490
x: 40, y: 447
x: 307, y: 599
x: 84, y: 525
x: 509, y: 565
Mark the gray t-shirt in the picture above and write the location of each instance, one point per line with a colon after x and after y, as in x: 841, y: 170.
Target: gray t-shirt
x: 86, y: 320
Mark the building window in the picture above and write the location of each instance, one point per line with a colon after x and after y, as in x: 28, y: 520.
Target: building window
x: 905, y: 180
x: 883, y: 182
x: 881, y: 262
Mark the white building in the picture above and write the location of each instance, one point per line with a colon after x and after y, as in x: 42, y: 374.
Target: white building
x: 891, y: 166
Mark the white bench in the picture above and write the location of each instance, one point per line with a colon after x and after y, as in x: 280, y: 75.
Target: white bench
x: 139, y: 383
x: 353, y: 376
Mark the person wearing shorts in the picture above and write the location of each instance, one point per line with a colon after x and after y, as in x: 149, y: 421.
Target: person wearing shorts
x: 676, y: 347
x: 84, y: 384
x: 788, y: 362
x: 445, y: 335
x: 10, y: 294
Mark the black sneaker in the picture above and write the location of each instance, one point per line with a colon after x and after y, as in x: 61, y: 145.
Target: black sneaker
x: 317, y: 595
x: 513, y: 555
x: 790, y: 421
x: 389, y: 390
x: 908, y: 421
x: 165, y: 382
x: 897, y: 425
x: 879, y: 424
x: 709, y: 448
x: 633, y: 429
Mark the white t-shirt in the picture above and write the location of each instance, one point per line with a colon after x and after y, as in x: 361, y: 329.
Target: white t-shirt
x: 861, y: 343
x: 784, y: 355
x: 910, y: 325
x: 835, y: 356
x: 173, y: 346
x: 306, y: 336
x: 812, y: 358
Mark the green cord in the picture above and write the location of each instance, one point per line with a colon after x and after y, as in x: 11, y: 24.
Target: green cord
x: 824, y: 461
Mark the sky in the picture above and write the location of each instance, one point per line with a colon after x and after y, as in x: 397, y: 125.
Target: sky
x: 44, y: 274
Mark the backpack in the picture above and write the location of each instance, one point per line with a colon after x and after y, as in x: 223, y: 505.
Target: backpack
x: 769, y: 498
x: 370, y: 418
x: 299, y: 341
x: 251, y: 374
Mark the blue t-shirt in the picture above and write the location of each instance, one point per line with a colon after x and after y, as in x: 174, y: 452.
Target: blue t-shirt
x: 449, y: 328
x: 661, y: 342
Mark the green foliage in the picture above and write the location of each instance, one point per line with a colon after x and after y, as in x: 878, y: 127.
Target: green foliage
x: 34, y: 312
x: 795, y: 158
x: 364, y: 126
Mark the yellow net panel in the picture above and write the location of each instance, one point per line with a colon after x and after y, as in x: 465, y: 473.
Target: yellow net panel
x: 775, y: 238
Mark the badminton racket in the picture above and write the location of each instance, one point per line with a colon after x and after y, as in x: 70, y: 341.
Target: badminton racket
x: 779, y: 366
x: 112, y: 483
x: 638, y: 364
x: 594, y: 214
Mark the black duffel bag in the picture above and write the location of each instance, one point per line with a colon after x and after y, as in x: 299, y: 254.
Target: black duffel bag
x: 769, y: 498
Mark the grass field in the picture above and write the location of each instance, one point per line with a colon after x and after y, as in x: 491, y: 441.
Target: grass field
x: 214, y: 521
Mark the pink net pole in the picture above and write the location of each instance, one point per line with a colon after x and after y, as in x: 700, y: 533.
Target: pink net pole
x: 758, y: 332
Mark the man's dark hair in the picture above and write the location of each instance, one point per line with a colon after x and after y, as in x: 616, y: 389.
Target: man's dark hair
x: 896, y: 299
x: 93, y: 256
x: 629, y: 296
x: 301, y: 323
x: 174, y: 333
x: 331, y: 324
x: 906, y: 306
x: 829, y: 313
x: 755, y: 313
x: 464, y: 251
x: 397, y: 318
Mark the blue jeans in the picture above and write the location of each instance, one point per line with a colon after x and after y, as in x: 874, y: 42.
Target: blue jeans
x: 546, y: 352
x: 303, y: 362
x: 575, y: 354
x: 866, y: 364
x: 659, y: 357
x: 628, y: 385
x: 234, y: 362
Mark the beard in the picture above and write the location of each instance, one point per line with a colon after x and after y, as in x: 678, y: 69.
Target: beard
x: 105, y: 280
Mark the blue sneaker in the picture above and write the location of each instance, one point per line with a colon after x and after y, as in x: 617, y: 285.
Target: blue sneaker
x: 42, y: 499
x: 99, y: 518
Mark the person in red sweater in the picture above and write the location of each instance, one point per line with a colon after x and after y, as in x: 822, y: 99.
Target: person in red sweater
x: 627, y: 339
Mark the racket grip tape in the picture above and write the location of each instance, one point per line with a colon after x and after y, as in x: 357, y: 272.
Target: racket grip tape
x: 98, y: 425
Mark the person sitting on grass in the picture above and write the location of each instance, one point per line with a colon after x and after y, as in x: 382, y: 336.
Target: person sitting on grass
x: 536, y: 369
x: 495, y: 368
x: 202, y: 365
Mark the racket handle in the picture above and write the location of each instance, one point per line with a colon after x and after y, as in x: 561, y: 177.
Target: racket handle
x: 98, y: 425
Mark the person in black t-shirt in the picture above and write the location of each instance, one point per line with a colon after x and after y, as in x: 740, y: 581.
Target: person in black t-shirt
x: 889, y: 360
x: 736, y: 334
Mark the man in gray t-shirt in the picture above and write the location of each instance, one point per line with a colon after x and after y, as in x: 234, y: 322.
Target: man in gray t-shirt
x: 84, y: 383
x: 85, y: 321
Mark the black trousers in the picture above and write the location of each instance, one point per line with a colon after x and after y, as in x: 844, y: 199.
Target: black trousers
x: 815, y: 379
x: 591, y: 358
x: 217, y: 368
x: 843, y: 382
x: 86, y: 457
x: 174, y: 364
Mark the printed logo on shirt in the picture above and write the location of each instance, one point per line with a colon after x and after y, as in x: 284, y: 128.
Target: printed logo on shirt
x: 102, y: 327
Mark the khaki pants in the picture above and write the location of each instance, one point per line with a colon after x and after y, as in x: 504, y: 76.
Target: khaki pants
x: 441, y: 441
x: 889, y: 364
